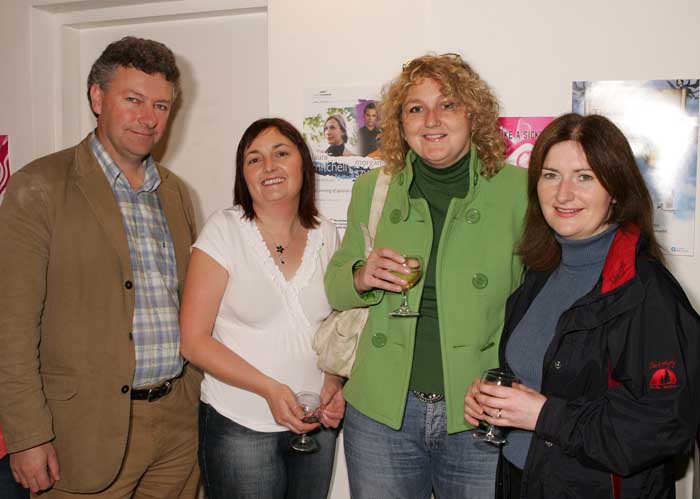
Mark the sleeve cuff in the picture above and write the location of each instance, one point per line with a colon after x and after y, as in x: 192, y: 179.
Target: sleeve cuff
x: 368, y: 298
x: 29, y: 442
x: 348, y: 297
x: 549, y: 422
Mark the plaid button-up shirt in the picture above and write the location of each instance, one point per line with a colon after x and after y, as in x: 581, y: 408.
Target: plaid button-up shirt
x: 155, y: 331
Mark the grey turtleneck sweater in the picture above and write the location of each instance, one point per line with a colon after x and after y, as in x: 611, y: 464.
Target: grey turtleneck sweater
x: 581, y: 265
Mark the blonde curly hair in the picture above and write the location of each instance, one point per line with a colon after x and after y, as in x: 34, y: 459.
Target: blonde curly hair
x: 457, y: 81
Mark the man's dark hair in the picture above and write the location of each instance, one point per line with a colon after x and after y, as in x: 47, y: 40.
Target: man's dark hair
x: 148, y: 56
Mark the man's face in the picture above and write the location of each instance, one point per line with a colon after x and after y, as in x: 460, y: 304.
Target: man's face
x: 132, y: 114
x: 370, y: 118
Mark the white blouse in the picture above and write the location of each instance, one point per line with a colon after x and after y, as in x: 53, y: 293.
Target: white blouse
x: 264, y: 318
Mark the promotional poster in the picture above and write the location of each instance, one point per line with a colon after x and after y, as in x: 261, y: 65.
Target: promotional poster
x: 520, y: 134
x: 342, y: 127
x: 660, y: 120
x: 4, y: 163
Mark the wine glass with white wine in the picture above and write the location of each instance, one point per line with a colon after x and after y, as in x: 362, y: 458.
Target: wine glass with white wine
x: 415, y: 264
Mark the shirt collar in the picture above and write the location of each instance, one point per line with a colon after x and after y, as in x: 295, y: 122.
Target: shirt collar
x: 115, y: 175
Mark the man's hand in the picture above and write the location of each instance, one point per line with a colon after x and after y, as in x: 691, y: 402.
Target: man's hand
x: 36, y: 469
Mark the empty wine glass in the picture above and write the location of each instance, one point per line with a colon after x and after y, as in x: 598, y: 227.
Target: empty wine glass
x: 310, y: 403
x: 415, y: 264
x: 493, y: 434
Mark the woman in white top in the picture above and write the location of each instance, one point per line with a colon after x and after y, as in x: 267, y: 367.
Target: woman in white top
x: 252, y: 302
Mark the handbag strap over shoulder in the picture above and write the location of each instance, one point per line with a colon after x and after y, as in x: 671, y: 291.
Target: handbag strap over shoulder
x: 375, y: 212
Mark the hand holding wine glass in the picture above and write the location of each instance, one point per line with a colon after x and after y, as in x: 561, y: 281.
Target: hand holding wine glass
x: 519, y: 406
x: 310, y: 403
x: 285, y: 407
x: 493, y: 433
x: 414, y: 264
x: 378, y: 271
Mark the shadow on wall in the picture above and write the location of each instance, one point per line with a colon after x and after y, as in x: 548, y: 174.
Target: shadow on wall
x: 174, y: 139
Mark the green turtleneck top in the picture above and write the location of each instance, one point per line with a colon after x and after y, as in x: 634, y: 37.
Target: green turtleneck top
x: 437, y: 186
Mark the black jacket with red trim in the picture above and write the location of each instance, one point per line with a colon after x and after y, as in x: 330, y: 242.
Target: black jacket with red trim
x: 622, y: 381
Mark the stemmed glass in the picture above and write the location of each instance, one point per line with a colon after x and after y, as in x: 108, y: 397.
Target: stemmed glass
x: 310, y: 403
x: 415, y: 264
x: 493, y: 433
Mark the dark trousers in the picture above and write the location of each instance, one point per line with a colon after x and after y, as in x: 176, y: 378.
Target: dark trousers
x: 9, y: 489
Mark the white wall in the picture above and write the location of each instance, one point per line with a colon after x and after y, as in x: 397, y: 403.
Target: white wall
x: 333, y: 43
x: 15, y: 92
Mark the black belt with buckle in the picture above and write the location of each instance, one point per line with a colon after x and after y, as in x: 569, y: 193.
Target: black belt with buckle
x: 428, y: 398
x: 154, y: 393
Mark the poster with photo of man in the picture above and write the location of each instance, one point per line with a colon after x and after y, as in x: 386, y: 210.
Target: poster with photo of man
x: 342, y: 128
x: 368, y: 133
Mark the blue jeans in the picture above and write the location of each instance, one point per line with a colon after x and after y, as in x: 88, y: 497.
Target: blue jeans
x: 237, y: 462
x: 9, y: 489
x: 418, y: 459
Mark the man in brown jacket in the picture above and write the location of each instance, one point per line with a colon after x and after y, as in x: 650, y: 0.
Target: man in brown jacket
x: 94, y: 242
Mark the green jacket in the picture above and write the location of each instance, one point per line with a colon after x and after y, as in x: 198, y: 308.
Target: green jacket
x: 476, y: 270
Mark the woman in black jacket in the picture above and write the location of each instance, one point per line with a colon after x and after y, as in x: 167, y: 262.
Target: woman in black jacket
x: 601, y: 335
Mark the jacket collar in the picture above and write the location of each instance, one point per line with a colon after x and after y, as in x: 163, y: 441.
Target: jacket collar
x: 403, y: 179
x: 620, y: 264
x: 603, y: 302
x: 93, y: 183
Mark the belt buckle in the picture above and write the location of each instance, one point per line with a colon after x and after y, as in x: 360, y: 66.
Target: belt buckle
x: 155, y: 393
x: 428, y: 398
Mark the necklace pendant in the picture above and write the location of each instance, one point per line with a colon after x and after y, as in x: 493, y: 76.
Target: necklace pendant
x: 280, y: 251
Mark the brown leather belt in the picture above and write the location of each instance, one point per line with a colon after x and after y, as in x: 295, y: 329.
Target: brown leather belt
x: 428, y: 398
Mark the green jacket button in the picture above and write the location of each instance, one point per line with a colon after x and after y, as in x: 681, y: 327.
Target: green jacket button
x: 401, y: 179
x: 480, y: 281
x: 395, y: 216
x: 379, y: 340
x: 472, y: 216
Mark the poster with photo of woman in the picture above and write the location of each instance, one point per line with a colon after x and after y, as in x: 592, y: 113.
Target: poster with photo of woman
x: 342, y: 127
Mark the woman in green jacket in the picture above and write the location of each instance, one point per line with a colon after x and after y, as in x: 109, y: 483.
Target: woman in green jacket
x: 453, y: 203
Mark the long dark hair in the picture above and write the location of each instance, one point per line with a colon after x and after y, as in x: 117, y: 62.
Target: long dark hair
x: 308, y: 212
x: 610, y: 157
